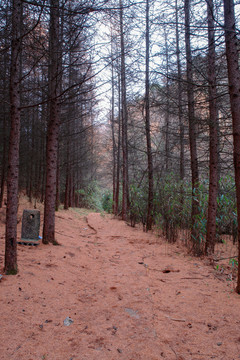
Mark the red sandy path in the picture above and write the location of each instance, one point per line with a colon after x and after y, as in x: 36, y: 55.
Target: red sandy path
x: 121, y: 309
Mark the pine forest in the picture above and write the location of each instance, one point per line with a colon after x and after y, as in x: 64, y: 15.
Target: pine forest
x: 128, y: 108
x: 129, y: 104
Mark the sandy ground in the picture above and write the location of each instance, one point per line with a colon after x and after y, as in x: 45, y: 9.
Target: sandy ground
x: 128, y: 295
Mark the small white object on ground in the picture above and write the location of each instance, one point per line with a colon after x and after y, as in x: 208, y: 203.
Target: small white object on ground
x: 68, y: 321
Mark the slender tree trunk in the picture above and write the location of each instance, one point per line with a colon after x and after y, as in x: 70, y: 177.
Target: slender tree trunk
x: 192, y: 133
x: 234, y: 91
x: 57, y: 201
x: 148, y: 129
x: 27, y: 119
x: 118, y: 150
x: 3, y: 170
x: 5, y: 111
x: 180, y: 109
x: 4, y: 135
x: 42, y: 165
x: 71, y: 190
x: 53, y: 126
x: 4, y: 153
x: 61, y: 31
x: 167, y: 108
x: 124, y: 120
x: 114, y: 163
x: 180, y: 101
x: 32, y: 160
x: 67, y: 181
x: 213, y: 126
x: 13, y: 154
x: 37, y: 152
x: 113, y: 140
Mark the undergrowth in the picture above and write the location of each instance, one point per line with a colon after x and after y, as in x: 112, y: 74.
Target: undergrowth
x: 172, y: 205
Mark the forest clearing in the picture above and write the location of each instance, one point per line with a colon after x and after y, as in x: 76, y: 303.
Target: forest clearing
x: 129, y: 294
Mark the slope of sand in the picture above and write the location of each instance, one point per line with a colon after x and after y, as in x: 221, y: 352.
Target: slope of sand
x: 129, y: 296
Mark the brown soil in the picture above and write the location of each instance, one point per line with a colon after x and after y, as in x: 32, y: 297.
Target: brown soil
x: 130, y: 296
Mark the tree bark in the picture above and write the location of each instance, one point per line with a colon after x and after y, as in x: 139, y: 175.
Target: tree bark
x: 124, y: 120
x: 4, y: 153
x: 118, y: 150
x: 167, y: 108
x: 148, y: 129
x: 10, y: 266
x: 180, y: 110
x: 67, y: 180
x: 180, y: 101
x: 234, y: 92
x: 192, y: 133
x: 53, y: 126
x: 113, y: 137
x: 57, y: 201
x: 213, y: 127
x: 32, y: 160
x: 5, y: 111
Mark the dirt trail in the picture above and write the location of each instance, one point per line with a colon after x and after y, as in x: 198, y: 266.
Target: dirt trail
x: 130, y: 297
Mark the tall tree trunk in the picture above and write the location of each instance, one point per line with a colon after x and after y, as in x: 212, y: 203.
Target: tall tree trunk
x: 118, y: 149
x: 53, y: 125
x: 67, y: 181
x: 5, y: 111
x: 113, y: 144
x: 147, y: 127
x: 4, y: 153
x: 4, y: 135
x: 36, y: 157
x: 167, y: 107
x: 124, y: 120
x: 32, y: 160
x: 13, y: 154
x: 42, y: 167
x: 114, y: 148
x: 180, y: 109
x: 72, y: 190
x: 61, y: 31
x: 234, y: 91
x: 3, y: 170
x: 213, y: 126
x: 180, y: 101
x: 192, y: 133
x: 57, y: 201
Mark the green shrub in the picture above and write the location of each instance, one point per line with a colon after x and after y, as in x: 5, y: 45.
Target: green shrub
x: 227, y: 208
x: 138, y: 197
x: 91, y: 197
x: 172, y: 205
x: 107, y: 201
